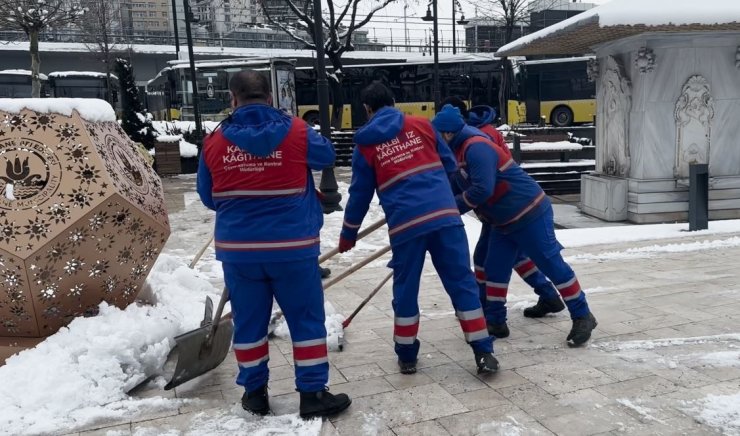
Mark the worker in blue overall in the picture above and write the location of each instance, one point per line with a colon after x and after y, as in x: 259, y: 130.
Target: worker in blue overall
x: 519, y: 215
x: 404, y: 161
x: 255, y: 172
x: 549, y: 301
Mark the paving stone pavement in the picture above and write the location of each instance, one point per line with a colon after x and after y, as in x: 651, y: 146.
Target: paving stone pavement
x: 615, y: 385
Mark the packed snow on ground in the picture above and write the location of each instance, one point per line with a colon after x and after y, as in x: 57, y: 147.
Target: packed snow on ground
x: 236, y: 421
x: 643, y: 411
x: 90, y: 109
x: 651, y: 13
x: 650, y: 344
x: 719, y: 411
x: 573, y: 238
x: 504, y: 428
x: 655, y: 250
x: 80, y: 375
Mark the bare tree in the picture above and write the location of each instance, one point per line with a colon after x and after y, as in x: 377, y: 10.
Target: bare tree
x: 101, y: 24
x: 340, y: 22
x: 510, y: 14
x: 33, y: 17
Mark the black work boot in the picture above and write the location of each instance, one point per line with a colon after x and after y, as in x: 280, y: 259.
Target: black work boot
x: 581, y: 330
x: 322, y: 404
x: 499, y: 331
x: 543, y: 307
x: 256, y: 401
x: 325, y: 272
x: 486, y: 363
x: 407, y: 367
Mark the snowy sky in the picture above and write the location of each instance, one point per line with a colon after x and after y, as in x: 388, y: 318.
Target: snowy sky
x: 389, y: 22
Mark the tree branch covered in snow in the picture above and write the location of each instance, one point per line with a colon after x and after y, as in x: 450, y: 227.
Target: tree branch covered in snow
x: 509, y: 13
x: 285, y: 28
x: 339, y: 29
x: 103, y: 20
x: 34, y: 16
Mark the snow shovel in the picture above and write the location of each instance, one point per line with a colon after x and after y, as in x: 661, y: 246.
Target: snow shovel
x: 203, y: 349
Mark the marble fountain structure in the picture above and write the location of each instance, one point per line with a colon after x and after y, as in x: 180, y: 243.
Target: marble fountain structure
x: 668, y: 96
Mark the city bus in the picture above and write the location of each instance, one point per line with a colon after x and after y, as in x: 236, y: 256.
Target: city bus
x: 169, y: 95
x: 85, y: 84
x: 473, y: 78
x: 17, y: 84
x: 557, y: 91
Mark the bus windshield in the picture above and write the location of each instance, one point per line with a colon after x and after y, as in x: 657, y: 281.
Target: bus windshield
x: 552, y: 91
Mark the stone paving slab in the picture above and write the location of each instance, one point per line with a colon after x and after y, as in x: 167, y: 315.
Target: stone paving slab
x: 613, y: 386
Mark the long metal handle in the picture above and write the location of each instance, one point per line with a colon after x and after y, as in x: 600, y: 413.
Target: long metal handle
x: 200, y: 253
x: 356, y: 266
x: 217, y: 317
x: 364, y: 232
x: 349, y: 319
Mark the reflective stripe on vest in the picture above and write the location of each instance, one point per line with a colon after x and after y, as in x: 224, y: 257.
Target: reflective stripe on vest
x: 266, y: 245
x: 258, y: 193
x: 504, y: 163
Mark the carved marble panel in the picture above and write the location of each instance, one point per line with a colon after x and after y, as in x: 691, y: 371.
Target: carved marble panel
x: 612, y: 130
x: 693, y: 114
x: 645, y: 60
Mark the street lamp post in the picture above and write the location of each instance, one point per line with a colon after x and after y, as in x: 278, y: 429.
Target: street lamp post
x: 432, y: 16
x: 174, y: 25
x: 193, y: 80
x: 461, y: 22
x: 328, y: 183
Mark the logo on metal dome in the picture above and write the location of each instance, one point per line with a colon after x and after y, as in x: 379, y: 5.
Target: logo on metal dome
x: 30, y: 173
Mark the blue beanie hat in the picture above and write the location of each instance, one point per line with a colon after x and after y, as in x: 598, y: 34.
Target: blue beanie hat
x: 449, y: 119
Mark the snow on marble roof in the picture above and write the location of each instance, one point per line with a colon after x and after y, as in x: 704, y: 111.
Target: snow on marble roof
x: 622, y: 18
x: 90, y: 109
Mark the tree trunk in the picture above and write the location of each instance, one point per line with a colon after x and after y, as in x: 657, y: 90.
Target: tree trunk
x: 337, y: 95
x: 33, y: 38
x: 505, y: 90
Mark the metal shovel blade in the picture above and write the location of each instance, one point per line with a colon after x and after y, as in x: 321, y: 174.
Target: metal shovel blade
x: 195, y: 356
x: 199, y: 351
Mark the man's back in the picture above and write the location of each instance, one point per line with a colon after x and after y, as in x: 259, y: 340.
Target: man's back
x: 255, y: 171
x: 402, y: 158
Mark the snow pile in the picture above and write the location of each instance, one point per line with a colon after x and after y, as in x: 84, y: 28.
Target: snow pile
x: 504, y: 428
x: 652, y: 13
x: 720, y: 359
x: 90, y: 109
x: 81, y: 374
x: 719, y: 411
x: 548, y: 146
x: 9, y: 191
x: 651, y: 344
x: 188, y: 149
x: 22, y: 73
x: 94, y: 74
x: 169, y: 138
x: 654, y: 250
x: 333, y: 324
x: 239, y: 422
